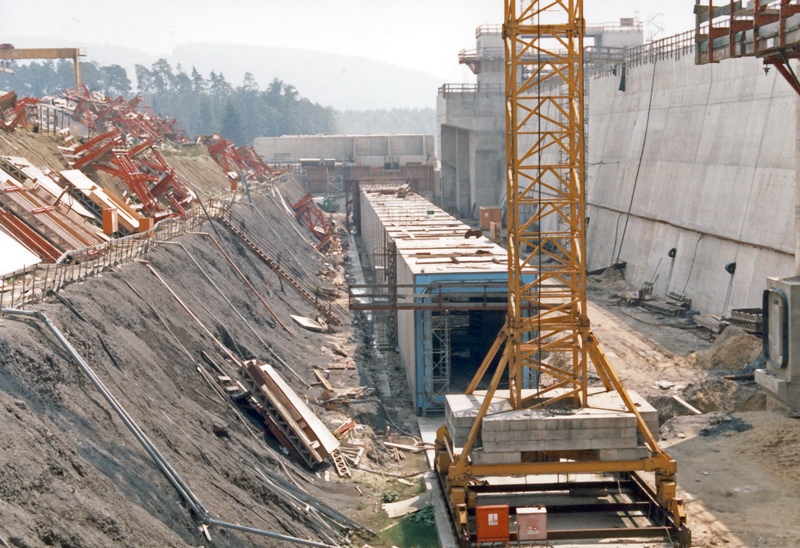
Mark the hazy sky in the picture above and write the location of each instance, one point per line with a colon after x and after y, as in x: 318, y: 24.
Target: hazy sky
x: 423, y: 34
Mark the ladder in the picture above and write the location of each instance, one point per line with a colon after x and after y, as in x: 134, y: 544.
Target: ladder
x: 341, y: 465
x: 329, y: 315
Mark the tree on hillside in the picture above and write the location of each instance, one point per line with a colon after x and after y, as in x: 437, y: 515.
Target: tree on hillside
x: 231, y: 126
x: 201, y: 105
x: 205, y: 118
x: 49, y: 78
x: 199, y: 83
x: 117, y: 82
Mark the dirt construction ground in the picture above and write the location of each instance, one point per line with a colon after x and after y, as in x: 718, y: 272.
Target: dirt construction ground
x: 72, y: 475
x: 738, y: 464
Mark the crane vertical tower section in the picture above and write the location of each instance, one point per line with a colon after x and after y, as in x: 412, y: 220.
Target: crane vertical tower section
x: 550, y: 423
x: 544, y: 45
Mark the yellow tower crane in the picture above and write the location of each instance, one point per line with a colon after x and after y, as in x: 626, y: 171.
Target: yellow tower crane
x: 547, y: 276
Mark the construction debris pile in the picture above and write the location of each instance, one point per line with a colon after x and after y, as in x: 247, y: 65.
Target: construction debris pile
x: 234, y: 160
x: 14, y: 111
x: 123, y: 138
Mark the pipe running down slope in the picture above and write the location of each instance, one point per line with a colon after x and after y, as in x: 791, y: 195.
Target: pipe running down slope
x: 201, y: 514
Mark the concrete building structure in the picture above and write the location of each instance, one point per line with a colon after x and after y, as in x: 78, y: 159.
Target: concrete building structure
x: 690, y: 173
x: 471, y: 123
x: 423, y: 252
x: 700, y: 159
x: 471, y: 117
x: 331, y: 164
x: 367, y: 150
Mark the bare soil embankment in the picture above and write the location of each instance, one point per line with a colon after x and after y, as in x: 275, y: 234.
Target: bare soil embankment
x: 72, y: 475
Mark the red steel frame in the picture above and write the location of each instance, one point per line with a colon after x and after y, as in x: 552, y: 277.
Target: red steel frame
x: 732, y: 20
x: 313, y: 218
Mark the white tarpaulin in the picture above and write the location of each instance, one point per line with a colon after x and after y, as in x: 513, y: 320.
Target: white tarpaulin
x: 14, y: 256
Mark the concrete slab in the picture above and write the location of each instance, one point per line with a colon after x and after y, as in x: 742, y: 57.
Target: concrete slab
x: 481, y: 457
x: 606, y: 422
x: 578, y: 444
x: 512, y: 436
x: 461, y: 409
x: 543, y: 419
x: 427, y: 431
x: 629, y: 453
x: 443, y: 528
x: 612, y: 400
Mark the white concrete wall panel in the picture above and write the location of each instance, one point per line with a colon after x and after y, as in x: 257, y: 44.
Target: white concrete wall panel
x: 716, y: 180
x: 406, y: 332
x: 368, y: 149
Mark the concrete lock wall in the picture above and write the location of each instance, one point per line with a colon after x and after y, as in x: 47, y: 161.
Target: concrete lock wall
x: 366, y: 149
x: 703, y: 157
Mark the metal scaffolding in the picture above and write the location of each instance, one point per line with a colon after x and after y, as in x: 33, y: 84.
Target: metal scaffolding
x: 436, y: 358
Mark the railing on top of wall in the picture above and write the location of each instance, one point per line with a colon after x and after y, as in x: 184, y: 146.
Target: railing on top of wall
x: 672, y: 47
x: 601, y: 62
x: 471, y: 88
x: 32, y: 283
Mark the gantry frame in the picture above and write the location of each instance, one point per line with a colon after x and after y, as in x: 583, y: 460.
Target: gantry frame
x: 18, y: 54
x: 547, y: 308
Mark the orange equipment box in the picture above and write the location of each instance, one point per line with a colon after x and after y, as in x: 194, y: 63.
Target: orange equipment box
x: 490, y: 214
x: 532, y: 523
x: 491, y: 523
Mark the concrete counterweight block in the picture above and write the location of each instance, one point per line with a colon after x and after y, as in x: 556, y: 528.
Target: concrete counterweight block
x: 606, y: 428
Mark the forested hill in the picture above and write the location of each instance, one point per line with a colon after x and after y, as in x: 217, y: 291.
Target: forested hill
x: 205, y: 104
x: 241, y: 113
x: 202, y: 104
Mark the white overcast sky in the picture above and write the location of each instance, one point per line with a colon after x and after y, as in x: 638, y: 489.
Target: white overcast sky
x: 422, y: 34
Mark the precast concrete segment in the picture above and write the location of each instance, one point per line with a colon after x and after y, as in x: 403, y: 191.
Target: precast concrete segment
x: 603, y: 427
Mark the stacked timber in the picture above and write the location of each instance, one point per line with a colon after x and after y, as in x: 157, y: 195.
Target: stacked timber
x: 288, y: 418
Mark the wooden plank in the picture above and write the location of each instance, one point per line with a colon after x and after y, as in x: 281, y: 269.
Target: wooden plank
x: 327, y: 440
x: 409, y: 448
x: 328, y: 386
x: 687, y: 405
x: 408, y: 506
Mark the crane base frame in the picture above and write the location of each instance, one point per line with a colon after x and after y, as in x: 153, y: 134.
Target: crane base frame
x: 462, y: 499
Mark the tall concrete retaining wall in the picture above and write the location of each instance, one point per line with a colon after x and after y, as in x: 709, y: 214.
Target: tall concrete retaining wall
x: 700, y: 159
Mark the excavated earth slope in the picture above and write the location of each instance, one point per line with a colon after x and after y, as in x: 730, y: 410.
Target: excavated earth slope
x: 72, y: 475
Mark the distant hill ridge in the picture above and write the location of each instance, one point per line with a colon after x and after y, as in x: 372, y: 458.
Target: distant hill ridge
x: 344, y: 82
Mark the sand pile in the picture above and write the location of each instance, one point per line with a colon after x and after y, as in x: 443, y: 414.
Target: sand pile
x: 610, y: 279
x: 732, y: 350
